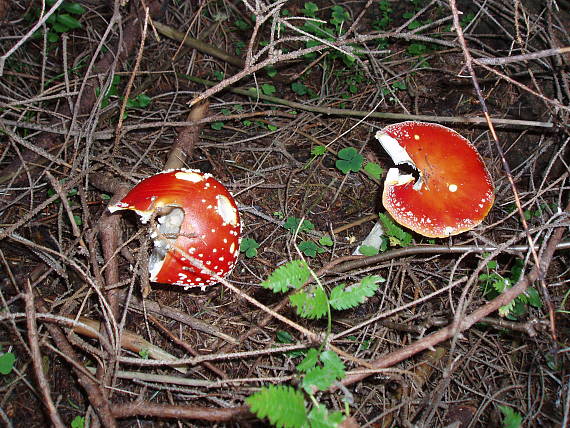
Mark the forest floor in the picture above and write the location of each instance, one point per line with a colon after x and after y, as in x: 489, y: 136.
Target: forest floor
x: 470, y: 330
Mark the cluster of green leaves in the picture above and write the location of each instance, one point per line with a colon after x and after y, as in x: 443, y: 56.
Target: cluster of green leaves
x: 141, y: 101
x: 493, y: 284
x: 312, y: 301
x: 249, y: 247
x: 333, y: 26
x: 394, y: 236
x: 286, y: 406
x: 349, y: 160
x: 64, y: 19
x: 7, y: 360
x: 308, y: 247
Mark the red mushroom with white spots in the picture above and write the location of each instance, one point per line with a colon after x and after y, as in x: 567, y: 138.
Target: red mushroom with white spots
x: 454, y: 191
x: 197, y: 229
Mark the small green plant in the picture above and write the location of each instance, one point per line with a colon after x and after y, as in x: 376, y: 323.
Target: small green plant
x: 396, y: 235
x: 144, y: 354
x: 78, y: 422
x: 268, y: 89
x: 287, y: 406
x: 511, y: 418
x: 310, y: 249
x: 493, y: 284
x: 7, y: 360
x: 384, y: 18
x: 140, y: 101
x: 329, y: 30
x: 312, y: 301
x: 249, y: 247
x: 63, y: 20
x: 294, y: 224
x: 349, y: 160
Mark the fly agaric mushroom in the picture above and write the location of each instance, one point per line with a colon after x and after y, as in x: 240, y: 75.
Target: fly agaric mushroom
x: 198, y: 226
x: 454, y: 191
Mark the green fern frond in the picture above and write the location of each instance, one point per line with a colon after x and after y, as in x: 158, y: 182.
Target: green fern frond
x: 310, y: 304
x: 284, y: 406
x: 291, y: 275
x: 348, y: 297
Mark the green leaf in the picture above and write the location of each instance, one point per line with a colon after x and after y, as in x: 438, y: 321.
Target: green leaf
x: 342, y: 297
x: 318, y: 150
x: 249, y: 246
x: 333, y: 363
x: 144, y: 354
x: 310, y: 361
x: 284, y: 406
x: 143, y: 100
x: 218, y: 75
x: 217, y: 125
x: 242, y: 25
x: 511, y: 418
x: 326, y: 241
x: 268, y: 89
x: 73, y: 8
x: 272, y: 128
x: 374, y: 170
x: 533, y: 297
x: 7, y: 363
x: 312, y: 303
x: 291, y: 275
x: 52, y: 37
x: 368, y: 250
x: 271, y: 71
x: 320, y: 417
x: 283, y: 336
x: 317, y: 378
x: 299, y: 88
x: 349, y: 160
x: 78, y: 422
x: 105, y: 197
x: 68, y: 21
x: 310, y: 9
x: 77, y: 220
x: 59, y: 28
x: 310, y: 249
x: 394, y: 232
x: 294, y: 223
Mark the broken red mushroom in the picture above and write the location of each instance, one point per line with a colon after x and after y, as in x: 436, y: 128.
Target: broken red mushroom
x: 454, y: 191
x: 198, y: 226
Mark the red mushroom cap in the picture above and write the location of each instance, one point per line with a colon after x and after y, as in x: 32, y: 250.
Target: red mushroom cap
x: 454, y: 192
x: 197, y: 218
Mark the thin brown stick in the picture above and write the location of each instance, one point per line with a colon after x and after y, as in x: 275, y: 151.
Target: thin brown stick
x: 208, y: 414
x: 525, y: 57
x: 37, y: 358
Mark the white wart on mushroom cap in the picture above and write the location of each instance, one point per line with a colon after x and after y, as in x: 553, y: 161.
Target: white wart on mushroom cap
x: 198, y: 226
x: 454, y: 191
